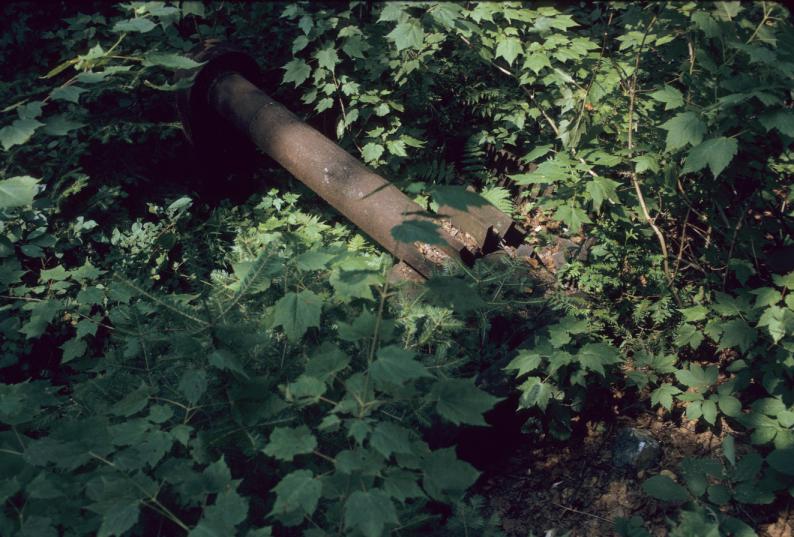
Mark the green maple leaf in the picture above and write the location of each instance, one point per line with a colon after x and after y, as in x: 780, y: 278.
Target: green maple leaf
x: 685, y: 128
x: 370, y: 512
x: 298, y: 491
x: 286, y: 442
x: 327, y: 57
x: 509, y: 48
x: 371, y: 152
x: 407, y: 34
x: 573, y: 217
x: 600, y: 189
x: 594, y: 356
x: 737, y: 333
x: 297, y: 312
x: 537, y: 61
x: 388, y: 438
x: 445, y: 475
x: 395, y: 365
x: 460, y: 401
x: 671, y: 97
x: 297, y: 71
x: 663, y: 395
x: 535, y: 392
x: 17, y: 191
x: 716, y: 153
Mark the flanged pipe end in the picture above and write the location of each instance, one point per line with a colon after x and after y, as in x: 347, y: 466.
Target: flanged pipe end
x: 209, y: 133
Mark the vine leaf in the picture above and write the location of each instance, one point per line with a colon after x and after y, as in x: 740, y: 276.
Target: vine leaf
x: 671, y: 97
x: 297, y: 312
x: 286, y: 442
x: 460, y: 401
x: 297, y: 71
x: 509, y: 48
x: 396, y: 366
x: 408, y: 34
x: 298, y: 491
x: 685, y: 128
x: 716, y: 153
x: 370, y: 511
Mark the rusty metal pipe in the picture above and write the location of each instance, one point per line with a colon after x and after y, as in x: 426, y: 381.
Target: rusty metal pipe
x: 368, y: 200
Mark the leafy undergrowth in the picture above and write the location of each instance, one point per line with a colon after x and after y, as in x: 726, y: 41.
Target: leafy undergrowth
x: 190, y: 346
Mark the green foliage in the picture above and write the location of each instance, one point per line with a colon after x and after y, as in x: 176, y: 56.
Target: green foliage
x: 246, y: 369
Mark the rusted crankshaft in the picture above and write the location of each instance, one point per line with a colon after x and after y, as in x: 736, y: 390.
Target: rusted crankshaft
x: 223, y: 102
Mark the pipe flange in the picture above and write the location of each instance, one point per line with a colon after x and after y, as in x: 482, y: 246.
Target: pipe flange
x: 203, y: 126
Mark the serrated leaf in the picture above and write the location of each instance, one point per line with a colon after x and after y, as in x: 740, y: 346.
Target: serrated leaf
x: 298, y: 491
x: 716, y: 153
x: 665, y: 489
x: 388, y: 438
x: 18, y: 133
x: 297, y: 312
x: 645, y: 163
x: 460, y: 401
x: 296, y: 71
x: 74, y: 348
x: 573, y: 217
x: 118, y: 519
x: 407, y: 34
x: 688, y: 334
x: 371, y: 152
x: 193, y: 384
x: 535, y: 392
x: 327, y: 57
x: 685, y: 128
x: 525, y: 362
x: 18, y: 191
x: 737, y: 333
x: 671, y: 97
x: 537, y: 61
x: 594, y: 356
x: 286, y: 442
x: 370, y: 512
x: 445, y: 475
x: 509, y: 48
x: 395, y: 365
x: 663, y: 395
x: 600, y: 189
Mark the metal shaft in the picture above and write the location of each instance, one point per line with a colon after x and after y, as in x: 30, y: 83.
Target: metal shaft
x: 368, y: 200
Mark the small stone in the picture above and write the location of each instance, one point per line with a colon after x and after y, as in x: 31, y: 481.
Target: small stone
x: 635, y: 448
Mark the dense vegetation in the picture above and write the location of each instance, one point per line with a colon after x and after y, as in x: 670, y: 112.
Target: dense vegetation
x: 211, y: 351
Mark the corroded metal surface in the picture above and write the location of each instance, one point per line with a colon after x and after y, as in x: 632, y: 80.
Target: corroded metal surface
x: 224, y: 106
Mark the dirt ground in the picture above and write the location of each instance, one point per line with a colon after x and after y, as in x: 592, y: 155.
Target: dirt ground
x: 548, y: 490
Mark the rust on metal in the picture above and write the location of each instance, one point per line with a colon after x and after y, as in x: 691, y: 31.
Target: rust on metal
x: 224, y: 103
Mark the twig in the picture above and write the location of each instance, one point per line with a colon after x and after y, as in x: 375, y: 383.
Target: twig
x: 571, y: 509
